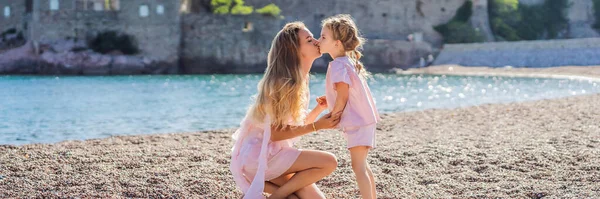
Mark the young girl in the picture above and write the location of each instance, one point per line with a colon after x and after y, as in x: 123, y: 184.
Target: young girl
x: 347, y: 91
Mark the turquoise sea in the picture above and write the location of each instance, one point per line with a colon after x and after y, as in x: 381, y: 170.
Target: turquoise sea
x: 46, y: 109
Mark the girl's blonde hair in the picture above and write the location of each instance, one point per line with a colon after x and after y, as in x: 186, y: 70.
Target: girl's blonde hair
x: 344, y: 29
x: 281, y: 90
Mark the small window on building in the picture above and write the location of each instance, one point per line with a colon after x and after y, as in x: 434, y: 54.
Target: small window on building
x: 144, y: 11
x: 185, y: 6
x: 247, y: 27
x: 160, y: 9
x: 112, y: 5
x: 54, y: 5
x: 7, y: 11
x: 98, y: 6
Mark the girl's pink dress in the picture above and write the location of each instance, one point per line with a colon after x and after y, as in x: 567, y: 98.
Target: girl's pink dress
x: 360, y: 114
x: 256, y: 159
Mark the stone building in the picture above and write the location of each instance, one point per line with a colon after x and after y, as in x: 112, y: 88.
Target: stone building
x: 186, y: 36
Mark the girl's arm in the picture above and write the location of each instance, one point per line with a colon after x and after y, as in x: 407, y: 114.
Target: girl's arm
x: 342, y: 97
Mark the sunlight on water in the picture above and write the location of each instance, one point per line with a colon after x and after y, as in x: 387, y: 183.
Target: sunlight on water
x: 51, y: 109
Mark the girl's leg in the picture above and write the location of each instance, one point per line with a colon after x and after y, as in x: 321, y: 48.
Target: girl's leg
x: 359, y: 166
x: 311, y: 191
x: 372, y: 177
x: 310, y: 167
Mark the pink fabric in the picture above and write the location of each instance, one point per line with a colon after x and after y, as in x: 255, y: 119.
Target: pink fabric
x: 255, y: 157
x: 278, y: 163
x: 360, y: 109
x: 360, y: 136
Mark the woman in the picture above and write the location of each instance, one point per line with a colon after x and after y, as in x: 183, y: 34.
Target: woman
x: 263, y: 157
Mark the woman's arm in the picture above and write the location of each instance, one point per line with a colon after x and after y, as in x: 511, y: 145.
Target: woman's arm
x: 287, y: 132
x: 312, y: 116
x: 342, y: 90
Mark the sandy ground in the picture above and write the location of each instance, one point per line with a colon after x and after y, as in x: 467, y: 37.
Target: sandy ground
x: 547, y: 148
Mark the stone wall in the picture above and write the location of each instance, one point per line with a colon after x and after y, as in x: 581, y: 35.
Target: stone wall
x: 377, y: 19
x: 581, y: 18
x: 544, y: 53
x: 17, y: 16
x: 381, y: 55
x: 226, y: 44
x: 200, y: 42
x: 158, y: 35
x: 480, y: 19
x: 580, y: 15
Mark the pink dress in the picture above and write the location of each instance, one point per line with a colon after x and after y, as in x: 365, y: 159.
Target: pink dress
x: 360, y: 114
x: 256, y: 159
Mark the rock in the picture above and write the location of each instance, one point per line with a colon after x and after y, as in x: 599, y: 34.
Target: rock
x: 160, y: 67
x: 97, y: 64
x: 384, y: 55
x: 67, y: 45
x: 565, y: 52
x: 127, y: 65
x: 12, y: 61
x: 56, y: 59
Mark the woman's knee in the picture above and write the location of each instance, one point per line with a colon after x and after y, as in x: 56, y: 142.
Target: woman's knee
x: 329, y: 161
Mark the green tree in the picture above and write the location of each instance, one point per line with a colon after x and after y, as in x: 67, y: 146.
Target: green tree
x: 554, y: 14
x: 108, y: 41
x: 241, y: 9
x: 458, y: 29
x: 221, y: 6
x: 225, y: 7
x: 463, y: 14
x: 597, y: 14
x: 512, y: 21
x: 271, y: 9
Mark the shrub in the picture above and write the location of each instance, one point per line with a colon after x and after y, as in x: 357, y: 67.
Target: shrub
x: 271, y: 9
x: 108, y: 41
x: 512, y: 21
x: 597, y: 14
x: 458, y: 29
x: 225, y: 7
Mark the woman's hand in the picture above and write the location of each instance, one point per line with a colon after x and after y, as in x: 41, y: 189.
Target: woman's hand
x: 328, y: 121
x: 322, y: 102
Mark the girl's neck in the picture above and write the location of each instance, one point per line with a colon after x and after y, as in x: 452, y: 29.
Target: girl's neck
x: 337, y: 54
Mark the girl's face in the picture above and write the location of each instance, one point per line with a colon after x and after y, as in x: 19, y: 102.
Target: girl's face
x: 327, y: 43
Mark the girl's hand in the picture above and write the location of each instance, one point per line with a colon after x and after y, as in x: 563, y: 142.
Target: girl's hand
x: 322, y: 102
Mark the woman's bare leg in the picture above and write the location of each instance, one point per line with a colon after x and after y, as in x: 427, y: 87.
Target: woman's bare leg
x: 309, y: 192
x: 310, y: 167
x: 271, y: 187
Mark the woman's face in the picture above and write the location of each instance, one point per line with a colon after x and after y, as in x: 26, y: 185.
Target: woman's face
x: 309, y: 46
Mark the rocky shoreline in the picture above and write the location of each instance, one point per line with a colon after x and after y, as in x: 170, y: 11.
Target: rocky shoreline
x: 63, y: 58
x: 535, y: 149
